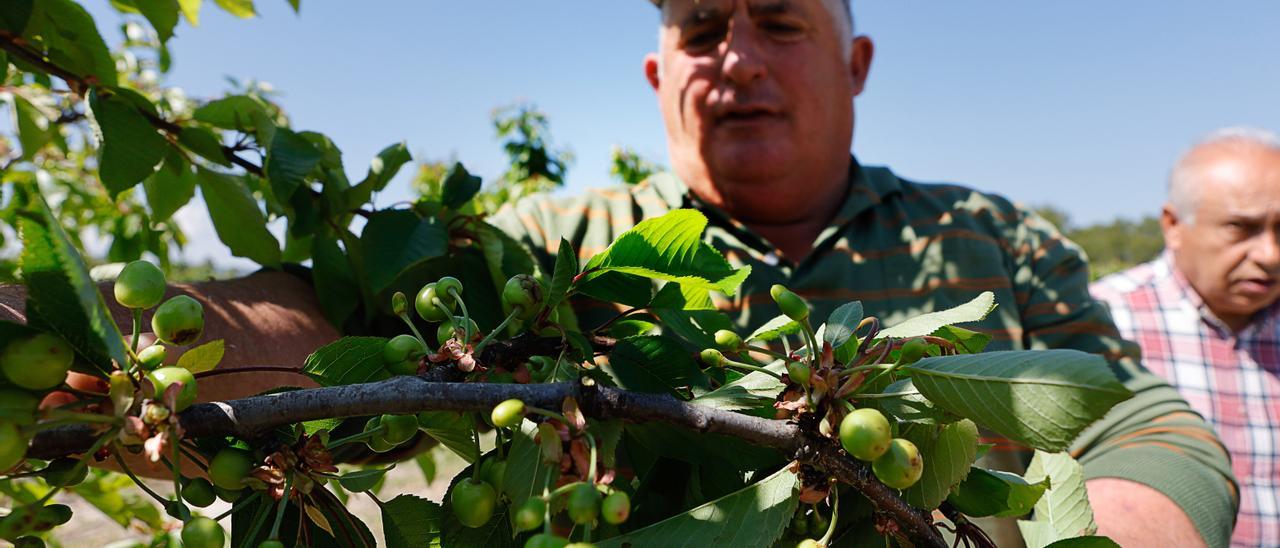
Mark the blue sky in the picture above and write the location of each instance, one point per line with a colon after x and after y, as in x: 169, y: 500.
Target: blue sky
x: 1083, y: 104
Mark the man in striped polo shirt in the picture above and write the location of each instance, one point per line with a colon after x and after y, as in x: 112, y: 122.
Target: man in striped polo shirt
x: 1205, y: 311
x: 757, y: 99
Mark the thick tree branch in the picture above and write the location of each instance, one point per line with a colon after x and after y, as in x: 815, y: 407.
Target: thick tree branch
x: 250, y: 417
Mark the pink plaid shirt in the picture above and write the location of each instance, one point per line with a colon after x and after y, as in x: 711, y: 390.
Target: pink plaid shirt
x: 1233, y: 379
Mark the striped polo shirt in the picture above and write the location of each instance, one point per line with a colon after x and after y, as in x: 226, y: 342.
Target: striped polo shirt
x: 905, y: 248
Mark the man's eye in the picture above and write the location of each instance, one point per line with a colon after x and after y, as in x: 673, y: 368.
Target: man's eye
x: 782, y: 29
x: 702, y: 39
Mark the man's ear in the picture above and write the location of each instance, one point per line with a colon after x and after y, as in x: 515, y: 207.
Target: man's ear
x: 651, y: 70
x: 1171, y: 225
x: 860, y: 62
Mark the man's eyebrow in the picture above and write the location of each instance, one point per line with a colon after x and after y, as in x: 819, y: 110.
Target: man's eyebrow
x: 776, y: 7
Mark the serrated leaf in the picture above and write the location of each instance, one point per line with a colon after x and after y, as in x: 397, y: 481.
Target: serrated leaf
x: 994, y: 493
x: 669, y: 248
x: 751, y: 391
x: 842, y: 323
x: 453, y: 430
x: 926, y: 324
x: 239, y: 8
x: 754, y: 516
x: 395, y: 239
x: 238, y: 112
x: 631, y: 328
x: 907, y: 405
x: 170, y: 187
x: 655, y: 365
x: 289, y: 159
x: 410, y: 522
x: 349, y: 360
x: 346, y: 528
x: 1040, y: 398
x: 678, y: 297
x: 130, y: 146
x: 947, y: 459
x: 237, y: 219
x: 71, y: 40
x: 775, y: 329
x: 162, y: 14
x: 360, y: 481
x: 618, y: 287
x: 565, y: 270
x: 1063, y: 511
x: 202, y: 358
x: 311, y: 427
x: 61, y: 296
x: 966, y: 341
x: 459, y: 187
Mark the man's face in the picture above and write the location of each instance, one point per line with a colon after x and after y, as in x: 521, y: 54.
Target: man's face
x: 751, y: 90
x: 1231, y: 251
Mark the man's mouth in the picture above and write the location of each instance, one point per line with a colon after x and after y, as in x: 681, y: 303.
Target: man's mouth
x: 745, y: 114
x: 1257, y: 286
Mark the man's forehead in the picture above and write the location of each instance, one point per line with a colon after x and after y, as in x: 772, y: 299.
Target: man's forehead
x: 680, y: 11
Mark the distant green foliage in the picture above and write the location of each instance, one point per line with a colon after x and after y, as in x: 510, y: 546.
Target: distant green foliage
x: 1111, y: 246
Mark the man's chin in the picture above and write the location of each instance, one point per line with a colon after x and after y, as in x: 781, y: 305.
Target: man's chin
x: 746, y: 164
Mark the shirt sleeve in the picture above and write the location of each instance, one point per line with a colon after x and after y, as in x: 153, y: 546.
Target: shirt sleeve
x: 1155, y: 438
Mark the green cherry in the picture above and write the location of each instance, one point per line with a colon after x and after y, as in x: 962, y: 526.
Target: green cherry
x: 508, y: 414
x: 789, y: 303
x: 901, y: 466
x: 37, y: 362
x: 473, y: 502
x: 426, y: 306
x: 139, y: 285
x: 179, y: 321
x: 865, y: 434
x: 616, y: 507
x: 530, y: 514
x: 203, y: 532
x: 229, y: 467
x: 152, y: 356
x: 525, y: 292
x: 728, y: 340
x: 584, y: 504
x: 401, y: 348
x: 162, y: 378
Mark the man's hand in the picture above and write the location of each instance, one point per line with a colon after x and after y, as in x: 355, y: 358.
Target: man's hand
x: 1133, y: 514
x: 269, y: 318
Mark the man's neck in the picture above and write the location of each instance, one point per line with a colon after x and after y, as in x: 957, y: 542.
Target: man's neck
x: 796, y: 239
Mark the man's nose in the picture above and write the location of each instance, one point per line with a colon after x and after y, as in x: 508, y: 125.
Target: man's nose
x: 1266, y: 250
x: 742, y: 61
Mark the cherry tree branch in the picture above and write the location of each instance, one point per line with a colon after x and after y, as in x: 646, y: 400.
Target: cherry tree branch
x: 250, y: 417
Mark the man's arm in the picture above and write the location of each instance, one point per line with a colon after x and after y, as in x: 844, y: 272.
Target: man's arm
x: 268, y: 318
x: 1155, y: 471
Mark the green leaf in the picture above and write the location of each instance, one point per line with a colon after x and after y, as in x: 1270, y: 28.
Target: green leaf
x: 202, y: 358
x: 926, y: 324
x: 70, y: 39
x: 237, y: 219
x: 238, y: 112
x: 15, y: 16
x: 947, y: 459
x: 170, y: 187
x: 526, y: 473
x: 289, y: 159
x: 453, y: 430
x: 842, y: 323
x: 349, y: 360
x: 1085, y: 542
x: 409, y: 521
x: 995, y: 493
x: 33, y: 126
x: 163, y: 15
x: 775, y: 329
x: 395, y: 239
x: 203, y: 142
x: 618, y: 287
x: 239, y: 8
x: 296, y: 5
x: 191, y: 10
x: 565, y: 270
x: 655, y: 365
x: 966, y: 341
x: 1039, y: 398
x: 754, y: 516
x: 360, y: 481
x: 331, y: 271
x: 1063, y: 512
x: 752, y: 391
x: 61, y: 296
x: 459, y: 187
x: 678, y: 297
x: 631, y: 328
x: 670, y: 248
x: 131, y: 146
x: 909, y: 406
x: 382, y: 169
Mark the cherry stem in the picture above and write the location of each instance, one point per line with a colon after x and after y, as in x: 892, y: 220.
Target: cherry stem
x: 466, y: 317
x: 548, y: 413
x: 137, y: 481
x: 835, y: 514
x: 284, y: 502
x: 356, y: 437
x: 254, y: 369
x: 747, y: 367
x: 239, y: 505
x: 137, y: 330
x: 487, y: 338
x: 408, y: 321
x: 475, y: 437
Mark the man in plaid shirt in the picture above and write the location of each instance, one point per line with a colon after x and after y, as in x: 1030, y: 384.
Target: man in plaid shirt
x: 1206, y: 313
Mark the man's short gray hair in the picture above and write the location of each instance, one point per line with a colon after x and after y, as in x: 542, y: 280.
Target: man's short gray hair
x: 1183, y: 181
